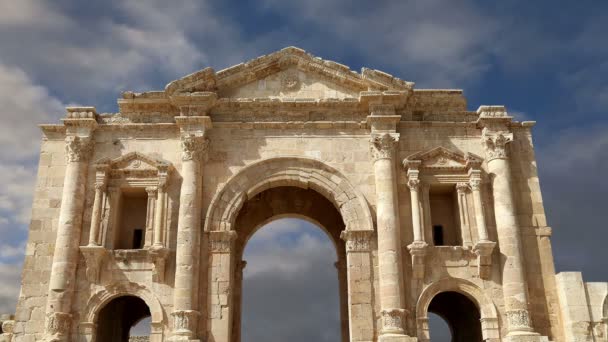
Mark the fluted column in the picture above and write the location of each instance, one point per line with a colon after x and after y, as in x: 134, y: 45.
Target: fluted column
x: 480, y: 219
x: 509, y: 237
x: 94, y: 239
x: 185, y: 315
x: 152, y: 192
x: 65, y: 257
x: 389, y: 246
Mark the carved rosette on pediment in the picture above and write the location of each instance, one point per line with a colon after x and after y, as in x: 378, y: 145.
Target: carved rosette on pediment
x: 221, y: 241
x: 495, y: 143
x: 357, y: 240
x: 194, y: 147
x: 78, y: 149
x: 392, y: 321
x: 382, y: 146
x: 184, y: 321
x: 58, y: 324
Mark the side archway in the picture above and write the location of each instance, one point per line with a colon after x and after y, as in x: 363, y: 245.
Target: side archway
x: 284, y: 180
x: 487, y: 310
x: 103, y: 297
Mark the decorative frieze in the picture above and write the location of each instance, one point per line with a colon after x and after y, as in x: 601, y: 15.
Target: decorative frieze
x: 383, y: 146
x: 357, y: 240
x: 495, y: 143
x: 78, y: 149
x: 194, y: 147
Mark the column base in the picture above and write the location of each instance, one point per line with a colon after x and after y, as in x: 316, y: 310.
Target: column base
x: 396, y: 338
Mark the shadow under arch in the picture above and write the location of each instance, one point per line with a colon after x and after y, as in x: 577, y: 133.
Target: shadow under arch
x: 102, y: 297
x: 466, y: 288
x: 289, y: 179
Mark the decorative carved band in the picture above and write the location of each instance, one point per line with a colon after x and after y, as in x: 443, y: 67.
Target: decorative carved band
x: 58, y: 323
x: 392, y: 320
x: 194, y: 147
x: 221, y: 241
x: 462, y: 187
x: 78, y: 149
x: 413, y: 184
x: 382, y: 146
x: 518, y: 320
x: 475, y: 184
x: 357, y: 240
x: 495, y: 143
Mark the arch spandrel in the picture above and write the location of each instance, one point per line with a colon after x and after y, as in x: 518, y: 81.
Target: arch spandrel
x: 306, y: 173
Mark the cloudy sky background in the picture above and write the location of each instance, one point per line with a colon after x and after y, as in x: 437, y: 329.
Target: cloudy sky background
x: 546, y: 62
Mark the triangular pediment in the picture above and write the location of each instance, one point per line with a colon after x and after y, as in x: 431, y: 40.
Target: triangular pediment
x: 135, y: 161
x: 443, y: 158
x: 288, y: 73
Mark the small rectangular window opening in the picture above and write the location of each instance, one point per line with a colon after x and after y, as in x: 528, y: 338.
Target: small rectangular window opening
x: 438, y: 235
x: 138, y: 238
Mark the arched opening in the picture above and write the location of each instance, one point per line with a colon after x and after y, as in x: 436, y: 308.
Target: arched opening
x: 123, y: 319
x: 304, y: 294
x: 290, y: 285
x: 461, y: 315
x: 440, y: 329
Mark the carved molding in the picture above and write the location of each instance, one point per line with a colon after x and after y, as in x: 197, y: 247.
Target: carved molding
x: 483, y: 250
x: 392, y: 320
x: 518, y: 320
x: 475, y: 184
x: 462, y: 187
x: 221, y: 241
x: 383, y: 146
x: 194, y: 147
x: 418, y: 251
x: 78, y: 149
x: 158, y: 257
x: 495, y: 143
x: 413, y: 184
x: 357, y: 240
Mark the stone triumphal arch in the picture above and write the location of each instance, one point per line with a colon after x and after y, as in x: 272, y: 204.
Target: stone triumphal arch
x: 431, y: 207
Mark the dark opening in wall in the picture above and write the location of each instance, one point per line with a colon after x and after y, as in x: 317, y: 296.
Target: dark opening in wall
x: 130, y: 232
x: 138, y: 239
x: 438, y: 235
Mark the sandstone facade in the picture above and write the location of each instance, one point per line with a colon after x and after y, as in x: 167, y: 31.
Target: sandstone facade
x: 431, y: 207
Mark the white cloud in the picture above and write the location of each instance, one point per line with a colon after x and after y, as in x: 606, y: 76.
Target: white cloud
x: 9, y: 292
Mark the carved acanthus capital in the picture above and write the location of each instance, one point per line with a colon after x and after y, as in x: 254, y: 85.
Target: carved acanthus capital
x: 475, y: 184
x: 58, y: 324
x: 462, y: 188
x: 392, y: 321
x: 152, y: 191
x: 184, y: 322
x: 518, y: 320
x: 221, y: 241
x: 77, y: 148
x: 383, y: 146
x: 413, y: 184
x: 357, y: 240
x: 495, y: 143
x: 194, y: 147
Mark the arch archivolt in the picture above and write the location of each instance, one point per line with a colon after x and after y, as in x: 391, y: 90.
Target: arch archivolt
x: 487, y: 309
x: 105, y: 295
x: 305, y: 173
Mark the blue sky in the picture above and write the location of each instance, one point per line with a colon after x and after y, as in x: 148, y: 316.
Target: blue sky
x: 545, y: 60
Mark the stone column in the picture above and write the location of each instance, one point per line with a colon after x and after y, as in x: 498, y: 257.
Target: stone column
x: 463, y: 211
x: 150, y: 215
x: 509, y: 237
x: 418, y: 247
x: 65, y: 258
x: 389, y: 243
x: 94, y: 238
x: 359, y: 277
x: 194, y: 148
x: 221, y: 285
x: 159, y: 214
x: 480, y: 219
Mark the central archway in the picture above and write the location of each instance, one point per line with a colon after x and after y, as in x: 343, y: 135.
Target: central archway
x: 295, y: 187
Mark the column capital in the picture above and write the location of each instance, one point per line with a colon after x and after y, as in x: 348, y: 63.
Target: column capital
x: 357, y: 240
x: 194, y: 147
x: 475, y: 184
x: 184, y: 322
x: 462, y: 187
x: 495, y: 143
x: 58, y: 323
x: 392, y: 321
x: 78, y: 149
x: 413, y: 184
x: 383, y: 145
x: 152, y: 191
